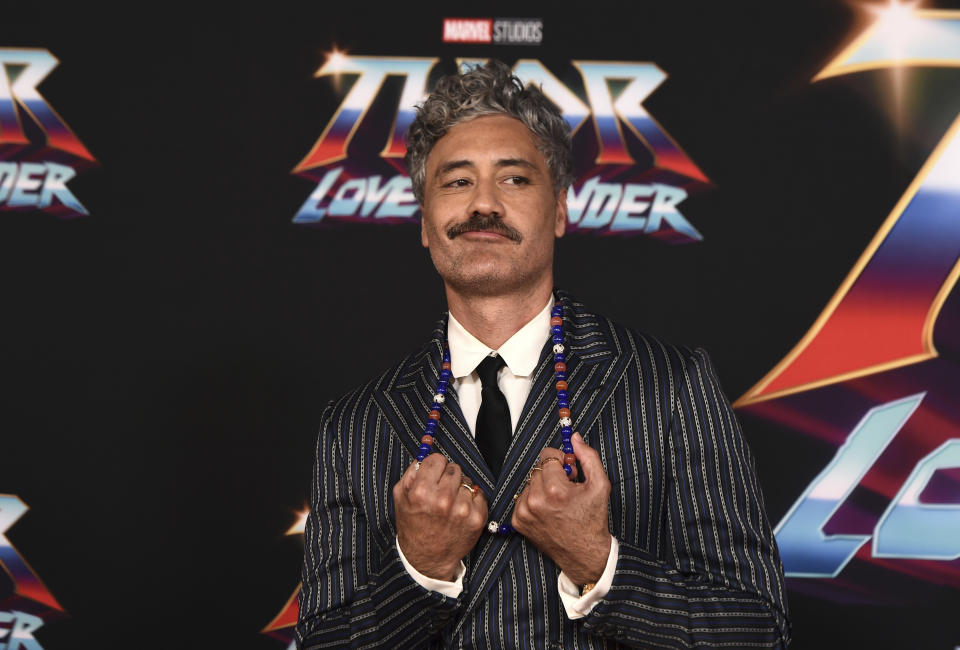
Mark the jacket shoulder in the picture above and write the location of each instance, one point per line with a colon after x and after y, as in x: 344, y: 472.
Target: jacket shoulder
x: 364, y: 395
x: 593, y: 333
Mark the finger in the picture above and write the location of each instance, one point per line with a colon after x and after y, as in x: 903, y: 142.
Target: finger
x: 520, y: 511
x: 535, y: 477
x: 480, y: 502
x: 431, y: 468
x: 468, y: 492
x: 450, y: 479
x: 550, y: 452
x: 589, y: 459
x: 406, y: 480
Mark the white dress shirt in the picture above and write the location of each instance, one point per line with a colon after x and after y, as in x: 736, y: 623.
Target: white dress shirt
x: 520, y: 352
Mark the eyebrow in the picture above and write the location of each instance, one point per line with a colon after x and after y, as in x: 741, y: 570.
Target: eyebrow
x: 503, y: 162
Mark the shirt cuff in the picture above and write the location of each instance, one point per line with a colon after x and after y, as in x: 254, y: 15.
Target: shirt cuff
x: 451, y: 589
x: 577, y: 606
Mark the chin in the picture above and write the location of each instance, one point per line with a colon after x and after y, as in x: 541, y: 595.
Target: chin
x: 486, y: 284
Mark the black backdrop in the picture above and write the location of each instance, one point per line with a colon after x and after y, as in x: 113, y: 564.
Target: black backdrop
x: 165, y: 360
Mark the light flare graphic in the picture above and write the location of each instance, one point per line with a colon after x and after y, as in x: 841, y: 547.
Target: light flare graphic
x: 281, y: 627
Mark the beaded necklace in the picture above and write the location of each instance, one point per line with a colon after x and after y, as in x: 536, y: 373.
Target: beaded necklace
x: 563, y: 404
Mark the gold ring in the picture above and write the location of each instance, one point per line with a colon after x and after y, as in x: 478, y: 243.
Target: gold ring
x: 546, y: 460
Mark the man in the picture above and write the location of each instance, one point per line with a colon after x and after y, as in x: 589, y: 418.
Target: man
x: 659, y: 539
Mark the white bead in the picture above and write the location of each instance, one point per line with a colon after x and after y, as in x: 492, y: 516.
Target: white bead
x: 558, y: 349
x: 493, y: 526
x: 566, y: 422
x: 439, y: 398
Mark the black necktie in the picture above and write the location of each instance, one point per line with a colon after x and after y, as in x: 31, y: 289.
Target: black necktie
x: 493, y: 419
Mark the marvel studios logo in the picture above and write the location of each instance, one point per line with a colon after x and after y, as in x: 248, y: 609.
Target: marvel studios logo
x: 500, y: 31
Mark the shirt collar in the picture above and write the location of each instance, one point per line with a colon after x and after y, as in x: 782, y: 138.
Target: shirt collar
x: 521, y: 352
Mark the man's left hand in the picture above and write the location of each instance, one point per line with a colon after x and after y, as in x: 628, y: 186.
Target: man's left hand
x: 568, y: 520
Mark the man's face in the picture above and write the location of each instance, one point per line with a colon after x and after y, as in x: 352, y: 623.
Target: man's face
x: 490, y: 215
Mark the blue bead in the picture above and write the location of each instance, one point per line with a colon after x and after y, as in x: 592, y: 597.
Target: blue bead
x: 425, y: 448
x: 567, y: 469
x: 442, y: 386
x: 560, y: 357
x: 562, y: 394
x: 505, y: 529
x: 566, y: 432
x: 421, y: 456
x: 445, y: 375
x: 568, y: 449
x: 436, y: 406
x: 563, y: 404
x: 558, y: 338
x: 431, y: 425
x: 556, y: 329
x: 562, y: 374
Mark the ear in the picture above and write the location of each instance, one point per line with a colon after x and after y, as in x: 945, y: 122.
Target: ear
x: 560, y: 227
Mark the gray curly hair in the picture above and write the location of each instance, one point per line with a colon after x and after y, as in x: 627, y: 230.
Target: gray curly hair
x: 491, y: 89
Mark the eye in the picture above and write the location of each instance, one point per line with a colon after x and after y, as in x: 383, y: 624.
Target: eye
x: 518, y: 180
x: 459, y: 182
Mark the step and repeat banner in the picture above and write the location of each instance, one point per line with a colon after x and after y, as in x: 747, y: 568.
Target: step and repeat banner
x: 207, y: 234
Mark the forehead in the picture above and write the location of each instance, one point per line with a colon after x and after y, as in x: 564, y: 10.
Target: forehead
x: 486, y: 138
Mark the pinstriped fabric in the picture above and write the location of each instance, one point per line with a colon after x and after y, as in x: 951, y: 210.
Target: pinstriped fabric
x: 698, y: 564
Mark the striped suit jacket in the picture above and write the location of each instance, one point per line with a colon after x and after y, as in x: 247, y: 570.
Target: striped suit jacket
x: 698, y: 564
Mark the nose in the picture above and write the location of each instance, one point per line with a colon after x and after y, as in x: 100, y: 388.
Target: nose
x: 485, y: 199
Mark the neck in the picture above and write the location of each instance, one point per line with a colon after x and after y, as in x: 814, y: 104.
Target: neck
x: 494, y: 319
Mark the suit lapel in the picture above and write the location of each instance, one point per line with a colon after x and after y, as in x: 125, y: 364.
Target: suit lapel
x: 594, y: 365
x: 407, y: 401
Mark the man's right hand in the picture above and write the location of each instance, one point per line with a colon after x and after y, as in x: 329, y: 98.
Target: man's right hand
x: 438, y: 520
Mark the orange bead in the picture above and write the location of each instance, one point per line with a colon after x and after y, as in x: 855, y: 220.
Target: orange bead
x: 560, y: 366
x: 556, y: 320
x: 569, y: 459
x: 445, y: 365
x: 564, y: 413
x: 434, y: 415
x: 427, y: 439
x: 562, y: 385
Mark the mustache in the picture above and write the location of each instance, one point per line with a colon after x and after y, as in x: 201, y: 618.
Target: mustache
x: 481, y: 222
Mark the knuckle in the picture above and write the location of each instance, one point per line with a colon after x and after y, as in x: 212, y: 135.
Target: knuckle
x: 522, y: 515
x: 553, y: 492
x: 443, y: 503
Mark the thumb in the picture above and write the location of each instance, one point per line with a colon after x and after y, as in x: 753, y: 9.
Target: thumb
x: 408, y: 476
x: 589, y: 459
